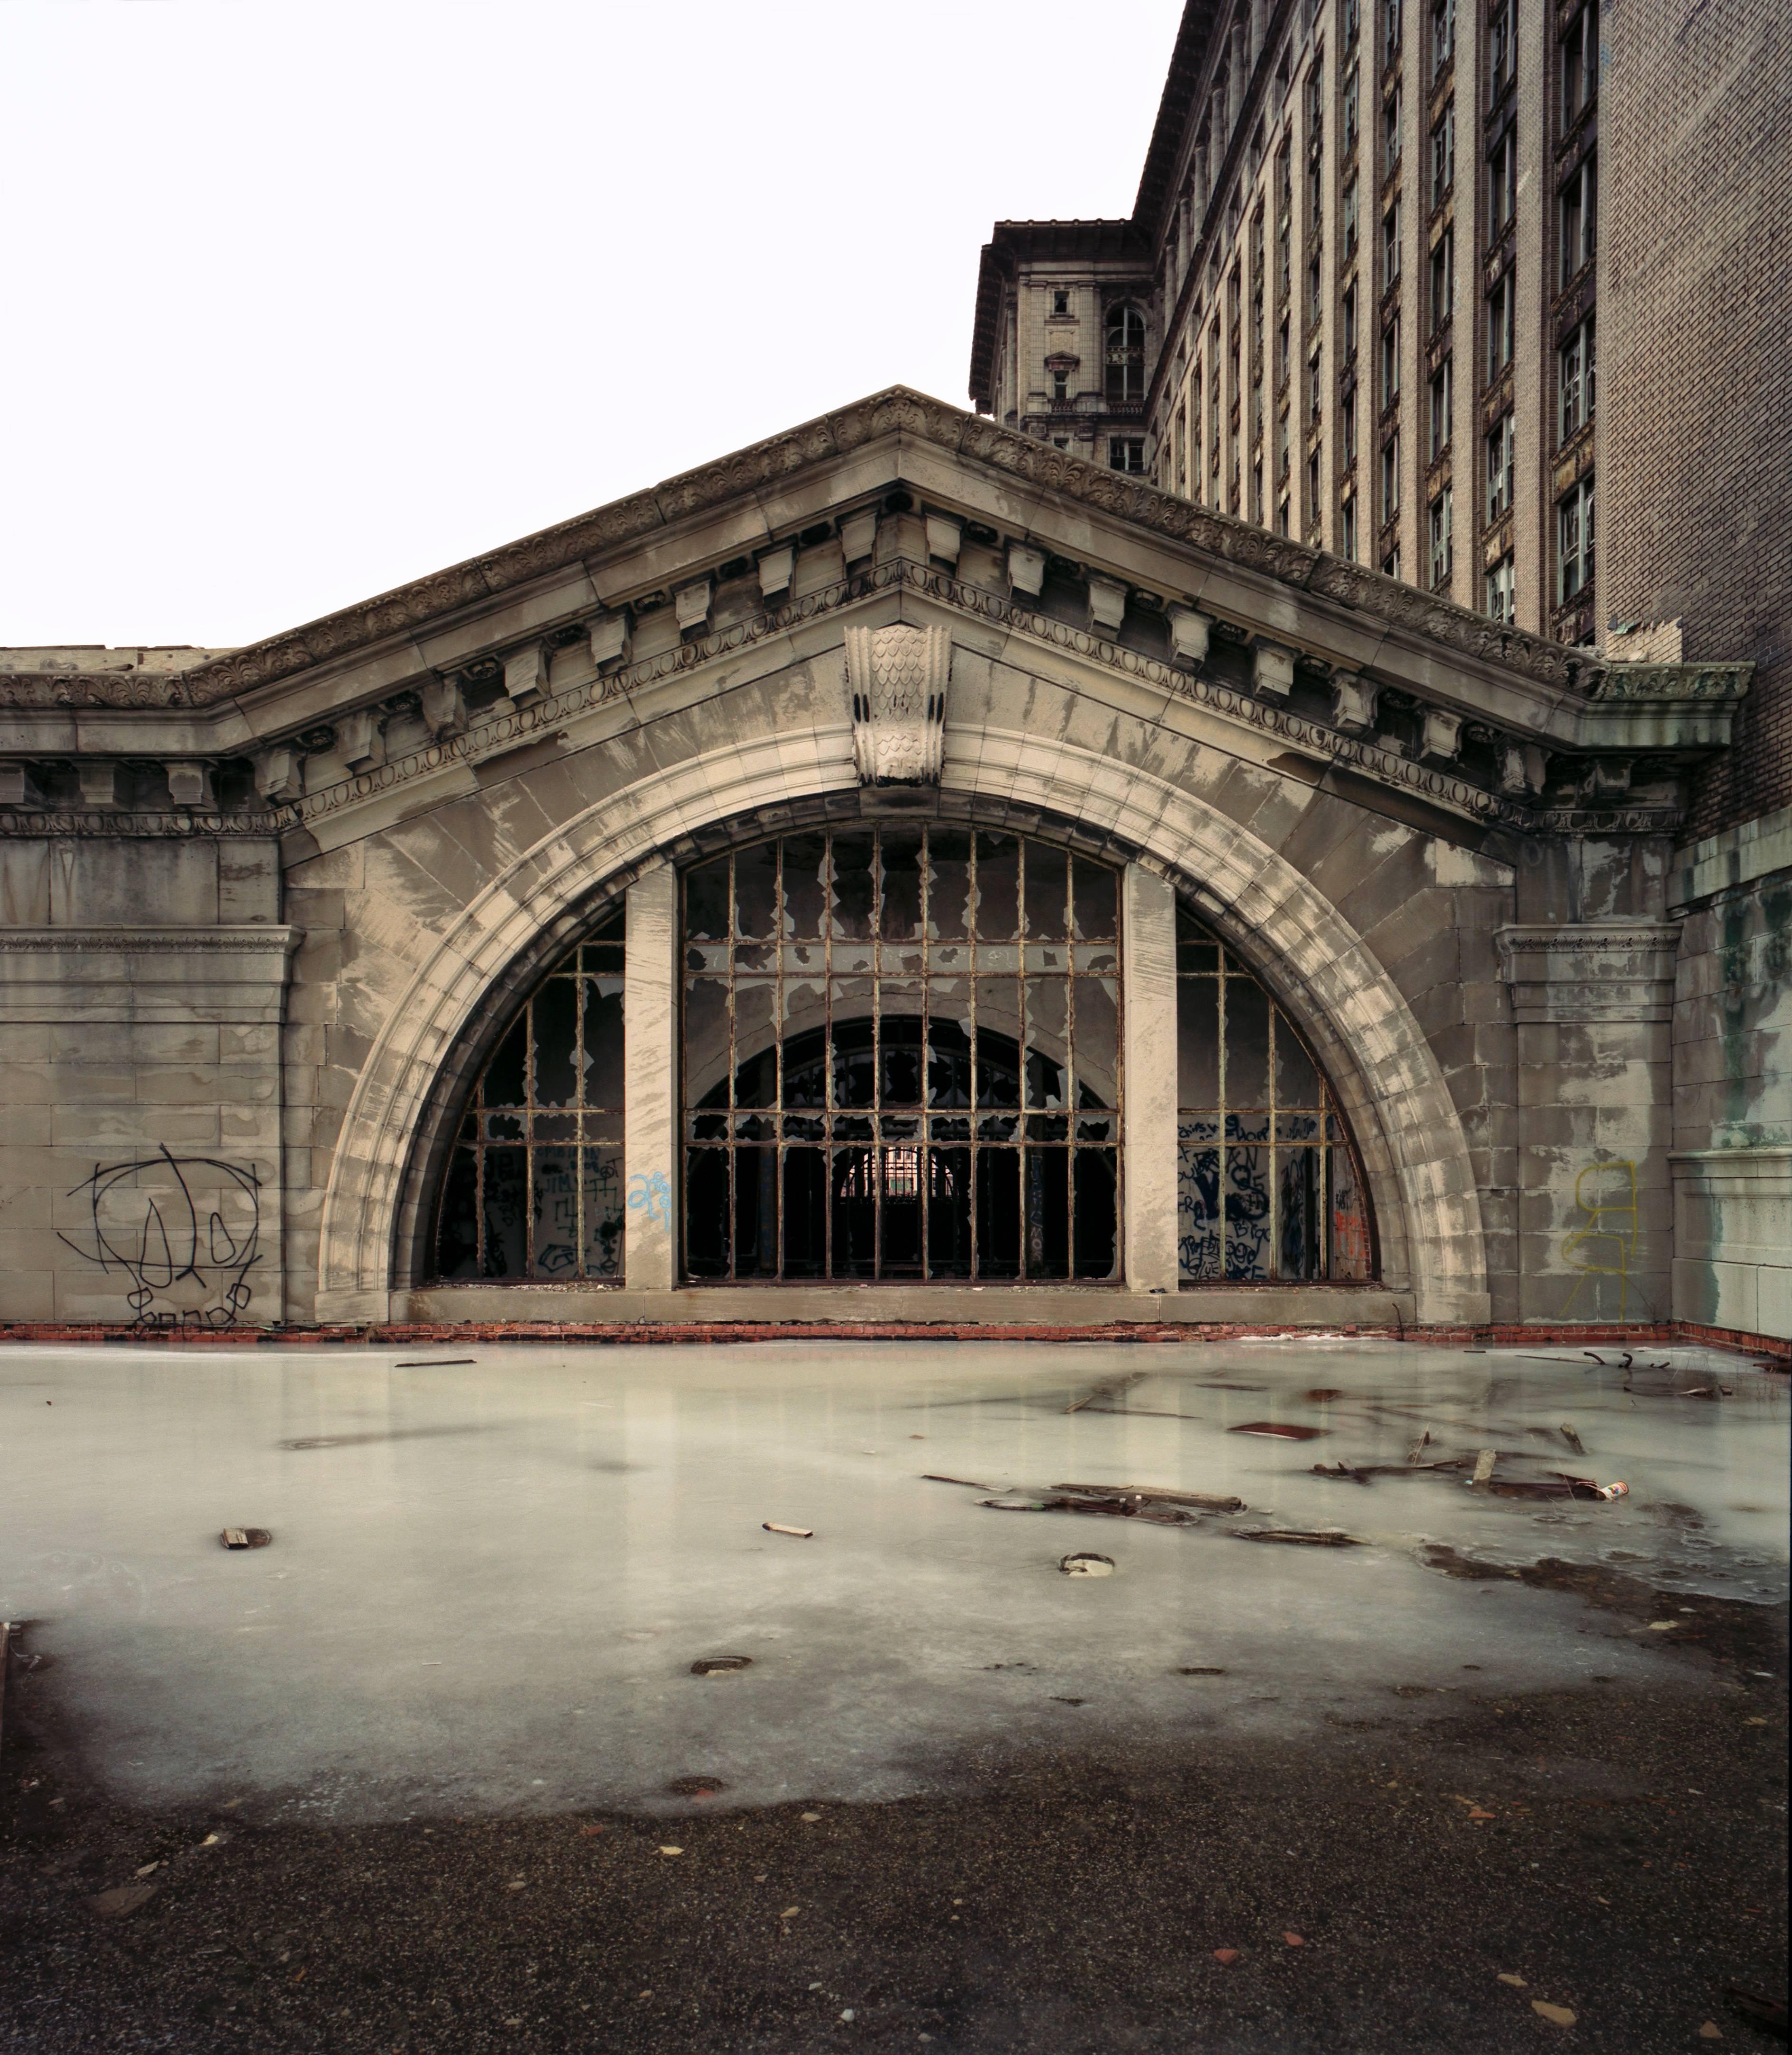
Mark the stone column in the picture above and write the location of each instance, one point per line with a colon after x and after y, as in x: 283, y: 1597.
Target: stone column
x: 1148, y: 1080
x: 1593, y: 1001
x: 650, y: 1067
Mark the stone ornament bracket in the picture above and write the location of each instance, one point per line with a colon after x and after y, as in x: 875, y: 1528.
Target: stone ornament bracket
x: 897, y: 678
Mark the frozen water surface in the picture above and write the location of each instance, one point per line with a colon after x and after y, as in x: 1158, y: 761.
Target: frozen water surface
x: 488, y: 1582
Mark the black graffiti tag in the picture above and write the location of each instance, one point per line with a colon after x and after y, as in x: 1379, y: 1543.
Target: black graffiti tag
x: 162, y: 1240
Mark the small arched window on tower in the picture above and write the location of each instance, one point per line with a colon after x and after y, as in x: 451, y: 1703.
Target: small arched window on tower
x: 1126, y: 356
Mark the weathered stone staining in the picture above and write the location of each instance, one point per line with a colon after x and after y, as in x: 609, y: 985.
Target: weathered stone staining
x: 267, y: 915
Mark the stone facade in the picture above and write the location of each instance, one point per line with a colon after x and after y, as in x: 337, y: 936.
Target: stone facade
x: 241, y: 1026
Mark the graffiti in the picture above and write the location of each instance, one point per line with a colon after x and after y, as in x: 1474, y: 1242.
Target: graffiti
x: 145, y: 1220
x: 1604, y: 1243
x: 649, y: 1193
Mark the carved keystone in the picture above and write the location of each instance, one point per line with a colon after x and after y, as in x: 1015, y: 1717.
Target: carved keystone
x: 609, y: 638
x: 858, y: 534
x: 1442, y: 733
x: 775, y: 568
x: 190, y: 785
x: 691, y: 607
x: 1272, y: 669
x: 1189, y: 631
x: 1353, y: 699
x: 897, y: 676
x: 358, y: 734
x: 1026, y: 568
x: 1107, y: 602
x: 945, y: 538
x: 525, y: 674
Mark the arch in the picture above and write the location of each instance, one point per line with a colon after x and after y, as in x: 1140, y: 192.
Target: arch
x: 1415, y: 1156
x: 1125, y: 354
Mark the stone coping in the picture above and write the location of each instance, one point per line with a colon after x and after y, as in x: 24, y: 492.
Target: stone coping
x: 645, y: 1333
x: 1736, y: 856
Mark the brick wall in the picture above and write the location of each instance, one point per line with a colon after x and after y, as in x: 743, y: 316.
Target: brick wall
x: 1695, y: 377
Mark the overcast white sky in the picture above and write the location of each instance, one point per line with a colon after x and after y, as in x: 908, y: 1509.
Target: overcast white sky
x: 303, y: 300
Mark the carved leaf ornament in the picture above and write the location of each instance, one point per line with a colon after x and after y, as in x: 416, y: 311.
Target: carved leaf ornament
x: 897, y: 677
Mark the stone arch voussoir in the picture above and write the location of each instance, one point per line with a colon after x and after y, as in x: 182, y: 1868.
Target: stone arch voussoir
x: 1415, y: 1156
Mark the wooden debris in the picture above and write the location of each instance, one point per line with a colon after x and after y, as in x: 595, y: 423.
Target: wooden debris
x: 1107, y: 1391
x: 1419, y: 1447
x: 1204, y: 1501
x: 245, y: 1537
x: 1484, y: 1466
x: 802, y: 1533
x: 1320, y: 1538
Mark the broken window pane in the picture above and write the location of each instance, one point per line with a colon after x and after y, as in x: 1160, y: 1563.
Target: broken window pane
x: 1245, y: 1079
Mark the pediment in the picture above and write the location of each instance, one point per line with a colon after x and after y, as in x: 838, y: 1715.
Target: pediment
x: 901, y: 500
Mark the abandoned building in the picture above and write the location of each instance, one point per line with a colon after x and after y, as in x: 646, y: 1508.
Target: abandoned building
x: 928, y: 866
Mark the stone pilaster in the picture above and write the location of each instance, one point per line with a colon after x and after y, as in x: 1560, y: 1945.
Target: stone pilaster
x: 1148, y: 1080
x: 1592, y: 1003
x: 650, y: 1073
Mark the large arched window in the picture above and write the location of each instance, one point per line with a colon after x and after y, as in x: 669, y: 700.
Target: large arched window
x: 1125, y: 356
x: 534, y: 1186
x: 901, y: 1059
x: 1268, y: 1184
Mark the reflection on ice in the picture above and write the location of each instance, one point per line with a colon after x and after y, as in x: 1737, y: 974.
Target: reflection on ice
x: 490, y: 1583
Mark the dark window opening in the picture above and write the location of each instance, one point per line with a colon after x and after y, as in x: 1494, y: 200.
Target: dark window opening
x: 1268, y: 1183
x: 1126, y: 356
x: 534, y: 1186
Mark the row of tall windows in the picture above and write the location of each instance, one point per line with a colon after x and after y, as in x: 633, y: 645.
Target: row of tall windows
x: 900, y: 1058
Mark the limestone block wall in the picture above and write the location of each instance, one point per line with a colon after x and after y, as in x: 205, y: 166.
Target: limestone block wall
x: 1732, y: 1111
x: 141, y: 987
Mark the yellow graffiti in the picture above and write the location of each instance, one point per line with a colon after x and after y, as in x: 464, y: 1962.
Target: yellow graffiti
x: 1604, y: 1244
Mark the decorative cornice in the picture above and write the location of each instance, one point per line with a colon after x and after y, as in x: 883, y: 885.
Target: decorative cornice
x: 1619, y: 972
x: 1673, y: 681
x: 1607, y: 820
x: 114, y: 827
x: 898, y: 411
x: 244, y: 941
x: 503, y: 729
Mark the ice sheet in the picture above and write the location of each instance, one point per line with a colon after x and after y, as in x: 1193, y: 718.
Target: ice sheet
x: 487, y: 1583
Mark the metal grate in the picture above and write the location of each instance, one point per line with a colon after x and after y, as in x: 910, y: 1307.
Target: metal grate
x: 535, y: 1186
x: 1268, y: 1185
x: 901, y: 1059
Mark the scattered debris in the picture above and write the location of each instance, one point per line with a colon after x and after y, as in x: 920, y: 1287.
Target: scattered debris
x: 1561, y: 1485
x: 1202, y: 1672
x: 245, y: 1537
x: 148, y: 1869
x: 802, y: 1533
x: 1572, y: 1439
x: 125, y: 1897
x: 694, y: 1787
x: 929, y: 1477
x: 1294, y: 1939
x: 1322, y: 1395
x: 1343, y: 1472
x: 1558, y: 2015
x: 1419, y: 1447
x: 1518, y: 1983
x: 1318, y: 1538
x: 1225, y: 1955
x: 1277, y: 1432
x: 1768, y: 2013
x: 717, y: 1665
x: 668, y: 1851
x: 811, y: 1817
x: 1705, y: 1391
x: 1107, y: 1391
x: 1484, y: 1466
x: 1205, y: 1501
x: 1711, y: 2031
x: 1087, y: 1566
x: 437, y: 1362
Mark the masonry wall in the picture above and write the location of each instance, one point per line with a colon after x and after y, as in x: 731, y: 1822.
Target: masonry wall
x: 1695, y: 399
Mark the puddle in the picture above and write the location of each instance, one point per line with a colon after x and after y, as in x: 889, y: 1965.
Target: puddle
x: 491, y: 1582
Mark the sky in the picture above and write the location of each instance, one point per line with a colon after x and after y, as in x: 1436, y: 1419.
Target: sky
x: 305, y: 299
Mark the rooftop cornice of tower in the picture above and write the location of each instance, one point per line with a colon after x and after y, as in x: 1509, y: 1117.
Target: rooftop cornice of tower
x: 1187, y: 61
